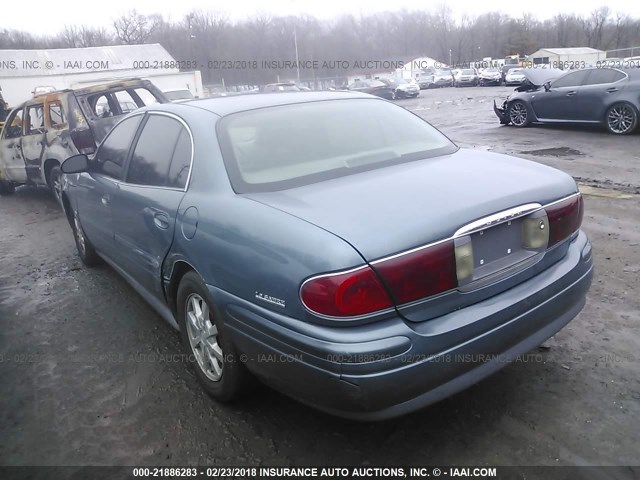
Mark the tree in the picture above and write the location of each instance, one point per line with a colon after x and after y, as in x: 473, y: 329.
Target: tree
x: 134, y: 28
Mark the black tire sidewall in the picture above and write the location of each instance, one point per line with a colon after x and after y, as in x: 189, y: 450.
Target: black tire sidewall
x: 90, y: 258
x: 233, y: 379
x: 6, y: 188
x: 55, y: 172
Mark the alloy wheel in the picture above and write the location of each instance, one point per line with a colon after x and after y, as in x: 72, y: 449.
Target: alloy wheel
x: 621, y: 119
x: 203, y: 337
x: 518, y: 114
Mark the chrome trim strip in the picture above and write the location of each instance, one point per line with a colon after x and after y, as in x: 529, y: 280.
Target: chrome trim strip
x: 497, y: 219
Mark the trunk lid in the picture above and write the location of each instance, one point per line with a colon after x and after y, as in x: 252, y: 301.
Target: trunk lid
x: 390, y: 210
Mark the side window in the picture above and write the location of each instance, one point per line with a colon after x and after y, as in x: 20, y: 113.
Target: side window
x: 181, y: 161
x: 13, y: 126
x: 35, y: 120
x: 153, y: 153
x: 573, y: 79
x: 127, y: 102
x: 604, y: 75
x: 146, y: 96
x: 103, y: 106
x: 56, y: 116
x: 112, y: 153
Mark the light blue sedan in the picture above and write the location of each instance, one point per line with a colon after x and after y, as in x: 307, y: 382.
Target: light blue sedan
x: 334, y: 245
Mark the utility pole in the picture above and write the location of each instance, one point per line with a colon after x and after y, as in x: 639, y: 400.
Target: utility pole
x: 295, y: 43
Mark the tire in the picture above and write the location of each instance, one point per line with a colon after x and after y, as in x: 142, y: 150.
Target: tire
x: 621, y: 119
x: 86, y: 252
x: 519, y: 114
x: 394, y: 96
x: 212, y: 354
x: 6, y: 188
x: 55, y: 183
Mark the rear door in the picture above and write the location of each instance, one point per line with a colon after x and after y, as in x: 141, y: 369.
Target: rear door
x: 95, y: 191
x: 34, y: 141
x: 11, y: 159
x: 601, y: 86
x: 146, y: 204
x: 562, y: 101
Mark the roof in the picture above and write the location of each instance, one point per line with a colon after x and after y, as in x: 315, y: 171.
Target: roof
x: 238, y: 103
x: 571, y: 51
x: 65, y: 61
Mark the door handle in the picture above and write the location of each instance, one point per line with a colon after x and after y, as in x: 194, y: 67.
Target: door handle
x: 161, y: 220
x: 612, y: 89
x: 572, y: 93
x: 106, y: 200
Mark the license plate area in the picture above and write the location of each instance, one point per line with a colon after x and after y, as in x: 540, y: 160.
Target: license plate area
x: 498, y: 250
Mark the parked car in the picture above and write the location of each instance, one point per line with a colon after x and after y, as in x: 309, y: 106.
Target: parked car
x: 505, y: 68
x: 515, y: 76
x: 466, y: 77
x: 425, y: 80
x: 334, y: 245
x: 372, y: 87
x: 183, y: 95
x: 42, y: 132
x: 599, y: 96
x: 401, y: 88
x: 489, y: 76
x: 280, y: 87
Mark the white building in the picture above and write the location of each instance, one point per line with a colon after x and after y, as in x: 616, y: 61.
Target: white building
x: 558, y: 57
x: 24, y: 71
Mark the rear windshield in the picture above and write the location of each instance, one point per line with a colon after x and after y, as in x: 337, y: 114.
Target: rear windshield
x: 288, y: 146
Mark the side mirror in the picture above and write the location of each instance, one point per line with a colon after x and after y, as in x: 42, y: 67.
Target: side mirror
x: 76, y: 164
x: 547, y: 86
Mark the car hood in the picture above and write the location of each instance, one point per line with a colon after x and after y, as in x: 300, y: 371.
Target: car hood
x: 538, y: 76
x: 396, y: 208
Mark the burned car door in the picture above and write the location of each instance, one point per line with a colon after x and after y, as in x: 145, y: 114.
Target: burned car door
x: 600, y: 88
x: 33, y: 142
x: 11, y: 159
x: 146, y: 204
x: 96, y: 189
x: 561, y: 101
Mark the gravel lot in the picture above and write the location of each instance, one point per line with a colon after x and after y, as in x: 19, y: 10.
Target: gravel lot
x: 87, y: 376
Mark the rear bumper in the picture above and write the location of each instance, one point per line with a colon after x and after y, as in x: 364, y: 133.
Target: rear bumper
x: 393, y: 367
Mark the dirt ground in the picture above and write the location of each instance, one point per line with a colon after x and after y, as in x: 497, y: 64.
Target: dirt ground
x: 89, y: 376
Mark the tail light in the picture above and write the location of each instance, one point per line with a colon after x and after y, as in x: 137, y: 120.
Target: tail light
x: 564, y: 218
x: 83, y: 140
x: 348, y: 294
x: 419, y: 274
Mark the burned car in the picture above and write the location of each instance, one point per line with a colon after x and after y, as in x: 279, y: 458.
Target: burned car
x: 597, y: 96
x: 40, y: 133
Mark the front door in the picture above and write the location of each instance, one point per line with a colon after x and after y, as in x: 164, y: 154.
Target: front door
x: 562, y: 100
x: 33, y: 142
x: 98, y: 188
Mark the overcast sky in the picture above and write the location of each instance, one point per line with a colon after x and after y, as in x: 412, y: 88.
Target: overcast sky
x: 50, y: 16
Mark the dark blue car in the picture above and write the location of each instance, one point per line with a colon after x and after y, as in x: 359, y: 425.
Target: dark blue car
x: 333, y: 245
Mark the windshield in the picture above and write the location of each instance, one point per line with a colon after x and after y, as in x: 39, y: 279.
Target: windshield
x: 517, y: 71
x: 288, y: 146
x: 468, y: 72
